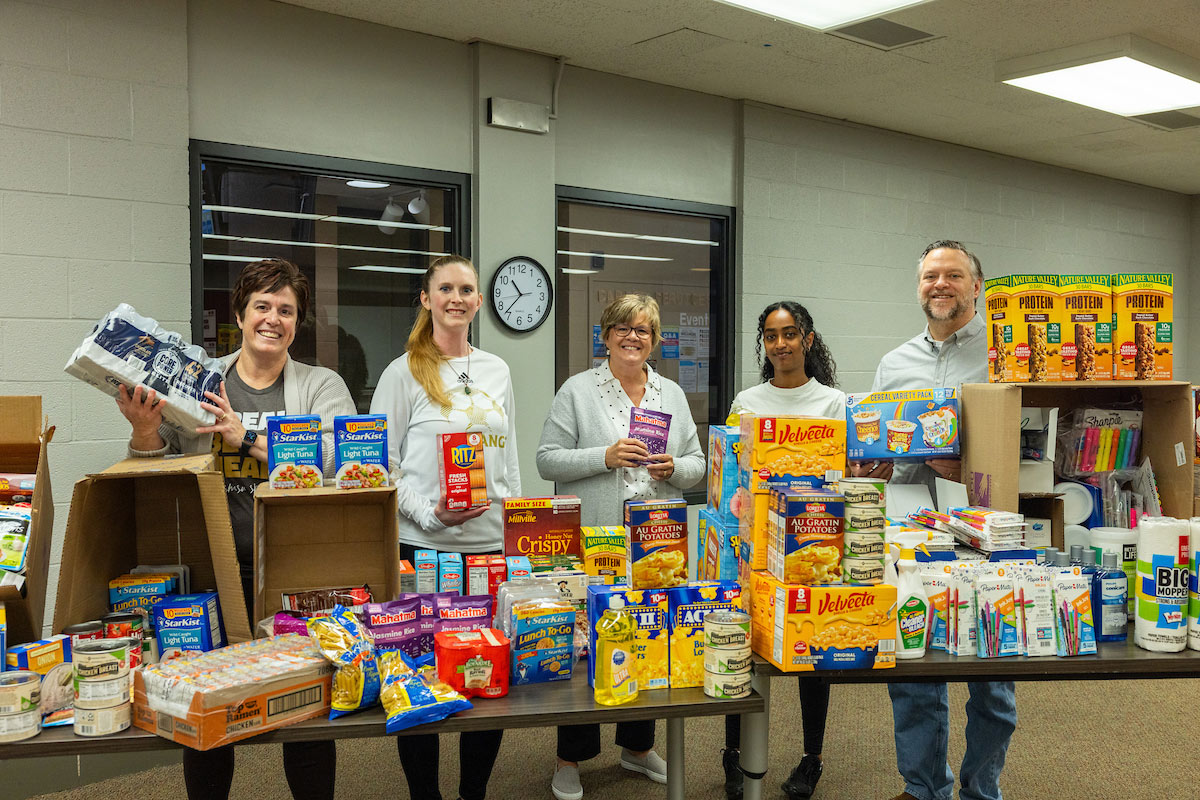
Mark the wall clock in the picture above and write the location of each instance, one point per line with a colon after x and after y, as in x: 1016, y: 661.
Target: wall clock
x: 521, y: 294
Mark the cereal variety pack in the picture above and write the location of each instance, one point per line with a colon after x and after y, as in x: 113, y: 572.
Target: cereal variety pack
x: 916, y: 424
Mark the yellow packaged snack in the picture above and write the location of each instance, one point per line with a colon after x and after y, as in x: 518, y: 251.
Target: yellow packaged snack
x: 1087, y: 329
x: 1143, y: 307
x: 688, y: 606
x: 604, y: 552
x: 997, y: 294
x: 348, y: 645
x: 783, y: 452
x: 1036, y: 328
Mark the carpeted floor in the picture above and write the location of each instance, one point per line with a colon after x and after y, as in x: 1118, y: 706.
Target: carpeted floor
x: 1074, y: 739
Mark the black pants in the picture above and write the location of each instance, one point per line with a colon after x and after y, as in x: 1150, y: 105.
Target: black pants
x: 581, y: 742
x: 814, y: 708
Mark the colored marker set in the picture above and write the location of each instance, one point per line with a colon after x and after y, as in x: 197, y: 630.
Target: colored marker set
x: 1106, y: 449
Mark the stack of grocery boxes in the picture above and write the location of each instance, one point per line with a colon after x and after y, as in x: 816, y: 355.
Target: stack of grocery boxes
x: 717, y: 532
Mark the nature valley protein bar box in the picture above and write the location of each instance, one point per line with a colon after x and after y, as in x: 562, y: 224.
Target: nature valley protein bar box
x: 785, y: 452
x: 997, y: 295
x: 542, y: 526
x: 604, y: 553
x: 1143, y: 307
x: 1036, y: 328
x: 1087, y: 329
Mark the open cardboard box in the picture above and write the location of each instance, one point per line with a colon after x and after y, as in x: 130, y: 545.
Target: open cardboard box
x: 314, y: 538
x: 24, y: 438
x: 169, y: 510
x: 1045, y: 506
x: 991, y: 417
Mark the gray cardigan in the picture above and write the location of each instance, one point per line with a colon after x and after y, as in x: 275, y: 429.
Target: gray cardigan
x: 578, y: 431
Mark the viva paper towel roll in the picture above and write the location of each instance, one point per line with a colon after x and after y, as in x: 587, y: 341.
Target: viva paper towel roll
x: 1193, y: 614
x: 1160, y: 619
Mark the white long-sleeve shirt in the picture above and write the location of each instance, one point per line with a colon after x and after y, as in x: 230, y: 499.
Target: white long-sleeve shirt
x: 413, y: 425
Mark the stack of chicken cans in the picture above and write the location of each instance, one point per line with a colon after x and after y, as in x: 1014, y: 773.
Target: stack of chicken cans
x: 102, y: 683
x: 727, y: 662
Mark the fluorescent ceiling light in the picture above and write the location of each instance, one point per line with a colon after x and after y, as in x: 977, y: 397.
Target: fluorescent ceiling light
x: 612, y: 255
x: 1123, y: 75
x: 578, y: 271
x: 701, y: 269
x: 377, y: 268
x: 263, y: 212
x: 822, y: 15
x: 361, y: 184
x: 219, y: 257
x: 643, y: 236
x: 385, y: 223
x: 288, y: 243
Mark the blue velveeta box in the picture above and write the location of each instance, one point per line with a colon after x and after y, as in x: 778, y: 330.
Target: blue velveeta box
x: 189, y: 622
x: 913, y: 423
x: 360, y: 451
x: 294, y: 451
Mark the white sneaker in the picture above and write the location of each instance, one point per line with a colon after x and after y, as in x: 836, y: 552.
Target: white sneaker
x: 651, y: 765
x: 566, y: 785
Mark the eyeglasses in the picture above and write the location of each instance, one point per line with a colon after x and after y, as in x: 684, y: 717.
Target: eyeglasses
x: 623, y: 330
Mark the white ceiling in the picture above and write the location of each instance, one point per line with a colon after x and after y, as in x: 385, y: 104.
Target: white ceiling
x: 943, y: 89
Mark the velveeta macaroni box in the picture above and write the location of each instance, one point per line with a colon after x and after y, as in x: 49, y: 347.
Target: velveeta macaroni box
x: 1036, y: 328
x: 912, y: 423
x: 656, y: 548
x: 649, y: 610
x: 997, y: 295
x: 1087, y: 328
x: 1143, y: 307
x: 724, y: 444
x: 789, y: 451
x: 460, y: 468
x: 542, y: 526
x: 604, y: 553
x: 360, y: 451
x: 294, y: 451
x: 686, y: 609
x: 805, y: 545
x: 813, y: 628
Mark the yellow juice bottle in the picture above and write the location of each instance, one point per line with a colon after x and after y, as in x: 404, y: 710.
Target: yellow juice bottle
x: 616, y: 672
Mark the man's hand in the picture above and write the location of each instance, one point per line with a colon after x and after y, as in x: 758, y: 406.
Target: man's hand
x: 948, y: 468
x: 871, y: 469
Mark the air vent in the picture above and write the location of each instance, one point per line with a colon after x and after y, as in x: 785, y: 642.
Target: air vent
x: 1169, y: 120
x: 882, y: 34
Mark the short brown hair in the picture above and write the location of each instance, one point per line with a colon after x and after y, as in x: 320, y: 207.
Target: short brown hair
x: 624, y: 310
x: 270, y: 275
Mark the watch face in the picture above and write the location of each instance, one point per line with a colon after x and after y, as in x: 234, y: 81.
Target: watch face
x: 521, y: 294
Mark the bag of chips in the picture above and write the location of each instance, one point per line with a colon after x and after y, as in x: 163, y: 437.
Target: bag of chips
x: 413, y: 697
x: 348, y: 645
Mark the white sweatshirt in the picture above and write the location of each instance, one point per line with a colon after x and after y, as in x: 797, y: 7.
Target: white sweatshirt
x: 813, y: 399
x: 413, y: 426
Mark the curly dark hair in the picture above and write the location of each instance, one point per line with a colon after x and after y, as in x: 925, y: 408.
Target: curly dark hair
x: 818, y: 361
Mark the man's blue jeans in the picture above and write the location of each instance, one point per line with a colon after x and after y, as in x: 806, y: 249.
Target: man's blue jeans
x: 921, y: 714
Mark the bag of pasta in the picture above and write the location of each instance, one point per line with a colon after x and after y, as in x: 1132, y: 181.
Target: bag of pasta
x: 413, y: 697
x: 348, y: 645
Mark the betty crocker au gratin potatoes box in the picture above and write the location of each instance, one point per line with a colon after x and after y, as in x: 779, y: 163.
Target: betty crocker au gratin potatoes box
x: 1143, y: 307
x: 788, y: 451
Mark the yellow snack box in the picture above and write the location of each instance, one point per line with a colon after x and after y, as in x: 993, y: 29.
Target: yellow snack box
x: 1143, y: 307
x: 604, y: 552
x: 754, y: 525
x: 787, y: 452
x: 1087, y: 328
x: 997, y: 295
x: 1036, y: 328
x: 687, y: 606
x: 649, y: 610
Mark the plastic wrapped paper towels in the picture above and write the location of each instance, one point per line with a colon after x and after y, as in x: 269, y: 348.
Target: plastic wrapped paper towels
x: 128, y: 349
x: 1193, y: 614
x: 1161, y: 620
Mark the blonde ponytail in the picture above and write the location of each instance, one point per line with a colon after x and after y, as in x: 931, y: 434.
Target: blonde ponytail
x: 424, y: 356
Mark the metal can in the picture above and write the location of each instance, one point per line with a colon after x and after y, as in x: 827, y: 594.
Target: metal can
x: 19, y: 691
x: 863, y: 491
x: 101, y: 694
x: 84, y: 632
x: 126, y: 626
x: 102, y: 721
x: 865, y: 520
x: 727, y: 687
x: 731, y: 661
x: 862, y: 571
x: 857, y: 544
x: 18, y: 727
x: 727, y: 629
x: 103, y: 659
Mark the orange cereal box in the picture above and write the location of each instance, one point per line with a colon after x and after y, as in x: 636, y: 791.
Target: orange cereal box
x: 1087, y: 329
x: 1036, y: 328
x: 460, y: 468
x: 784, y: 452
x: 1143, y: 307
x: 997, y: 295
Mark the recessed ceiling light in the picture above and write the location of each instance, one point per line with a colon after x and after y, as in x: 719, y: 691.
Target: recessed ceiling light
x: 361, y: 184
x: 822, y: 15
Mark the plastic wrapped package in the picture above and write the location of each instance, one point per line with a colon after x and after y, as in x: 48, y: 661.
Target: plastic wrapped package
x: 414, y: 697
x: 348, y: 645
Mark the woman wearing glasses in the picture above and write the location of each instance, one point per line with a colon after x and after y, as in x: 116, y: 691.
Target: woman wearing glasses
x: 586, y: 450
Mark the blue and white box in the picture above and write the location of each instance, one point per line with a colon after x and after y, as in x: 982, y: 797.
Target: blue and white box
x: 724, y: 442
x: 188, y: 622
x: 450, y: 572
x: 360, y: 451
x: 294, y: 452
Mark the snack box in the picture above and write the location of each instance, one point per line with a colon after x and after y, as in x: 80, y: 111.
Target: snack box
x: 188, y: 622
x: 542, y: 526
x: 16, y: 487
x: 805, y: 541
x: 567, y: 563
x: 656, y: 548
x: 753, y: 525
x: 40, y: 656
x: 604, y: 553
x: 14, y: 538
x: 485, y: 573
x: 892, y: 426
x: 649, y: 610
x: 1035, y: 318
x: 360, y: 451
x: 788, y: 451
x: 686, y: 608
x: 1087, y: 327
x: 450, y: 572
x: 543, y: 635
x: 724, y: 444
x: 719, y: 556
x: 997, y: 296
x: 461, y: 471
x: 137, y: 587
x: 813, y: 628
x: 1143, y: 308
x: 518, y: 567
x: 294, y: 452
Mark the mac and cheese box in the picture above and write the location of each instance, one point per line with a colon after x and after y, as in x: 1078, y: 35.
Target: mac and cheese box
x: 1036, y: 328
x: 604, y: 553
x: 916, y: 423
x: 649, y: 610
x: 1087, y: 327
x: 294, y: 452
x: 813, y: 628
x: 805, y: 545
x: 360, y: 451
x: 460, y: 468
x: 788, y: 451
x: 724, y: 443
x: 687, y: 606
x: 753, y: 523
x: 656, y: 548
x: 997, y: 295
x: 1143, y: 307
x: 542, y: 526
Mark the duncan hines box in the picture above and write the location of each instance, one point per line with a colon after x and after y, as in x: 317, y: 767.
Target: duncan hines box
x: 1143, y: 307
x: 915, y: 423
x: 1087, y: 327
x: 656, y: 549
x: 294, y: 451
x: 997, y: 294
x: 789, y: 451
x: 1036, y: 328
x: 360, y: 451
x: 460, y: 468
x: 542, y: 526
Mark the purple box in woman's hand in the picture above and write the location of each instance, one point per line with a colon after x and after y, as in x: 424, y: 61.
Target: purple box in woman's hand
x: 650, y: 428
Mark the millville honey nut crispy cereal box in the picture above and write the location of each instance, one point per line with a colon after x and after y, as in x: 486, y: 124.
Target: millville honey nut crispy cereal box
x: 656, y: 548
x: 687, y: 607
x: 1087, y: 327
x: 542, y: 526
x: 1036, y: 328
x: 460, y: 467
x: 997, y: 295
x: 649, y: 611
x: 789, y: 451
x: 1143, y: 307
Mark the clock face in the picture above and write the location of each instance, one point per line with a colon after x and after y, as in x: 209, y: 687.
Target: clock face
x: 521, y: 294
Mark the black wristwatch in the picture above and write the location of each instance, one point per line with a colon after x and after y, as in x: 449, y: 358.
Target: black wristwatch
x: 247, y: 442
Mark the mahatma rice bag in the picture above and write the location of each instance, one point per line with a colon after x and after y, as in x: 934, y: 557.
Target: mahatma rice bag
x: 395, y: 625
x: 463, y: 612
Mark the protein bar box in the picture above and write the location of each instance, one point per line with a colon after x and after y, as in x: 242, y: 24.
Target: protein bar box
x: 1036, y: 328
x: 997, y: 296
x: 460, y: 468
x: 1143, y: 307
x: 1087, y: 327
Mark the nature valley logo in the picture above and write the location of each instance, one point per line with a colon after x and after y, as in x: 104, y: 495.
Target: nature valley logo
x: 463, y: 456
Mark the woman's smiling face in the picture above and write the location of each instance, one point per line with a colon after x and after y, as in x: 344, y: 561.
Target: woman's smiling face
x: 453, y: 297
x: 630, y: 343
x: 783, y: 342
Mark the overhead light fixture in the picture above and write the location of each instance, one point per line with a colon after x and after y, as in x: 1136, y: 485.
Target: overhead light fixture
x: 645, y: 237
x: 610, y: 255
x: 822, y: 15
x: 288, y: 243
x: 265, y: 212
x: 570, y: 271
x: 378, y: 268
x: 219, y: 257
x: 419, y: 208
x: 701, y: 269
x: 361, y: 184
x: 1124, y: 75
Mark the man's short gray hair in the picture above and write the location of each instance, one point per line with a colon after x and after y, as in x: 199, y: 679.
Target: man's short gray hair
x: 950, y: 244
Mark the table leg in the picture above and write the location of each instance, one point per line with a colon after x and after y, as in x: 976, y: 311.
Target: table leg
x: 754, y: 740
x: 675, y: 781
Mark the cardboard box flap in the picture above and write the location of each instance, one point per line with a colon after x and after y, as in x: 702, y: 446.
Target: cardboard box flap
x: 21, y: 422
x: 24, y: 439
x: 322, y: 495
x: 166, y: 465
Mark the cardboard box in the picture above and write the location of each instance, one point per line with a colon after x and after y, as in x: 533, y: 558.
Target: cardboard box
x: 785, y: 451
x: 753, y: 527
x: 657, y: 543
x: 24, y: 438
x: 724, y: 445
x: 1046, y: 507
x: 686, y: 609
x: 308, y: 538
x: 149, y: 511
x: 991, y: 418
x: 1143, y: 306
x: 1087, y: 327
x: 542, y: 526
x: 1034, y: 316
x: 997, y: 296
x: 461, y: 471
x: 907, y: 424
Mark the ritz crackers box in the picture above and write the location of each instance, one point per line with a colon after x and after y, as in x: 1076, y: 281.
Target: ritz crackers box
x: 461, y: 471
x: 656, y: 549
x: 686, y: 609
x: 997, y: 296
x: 1143, y: 307
x: 788, y: 451
x: 1087, y: 327
x: 542, y: 526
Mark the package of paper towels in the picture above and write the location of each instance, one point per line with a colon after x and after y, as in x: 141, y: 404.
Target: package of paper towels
x: 128, y: 349
x: 1193, y: 614
x: 1160, y: 618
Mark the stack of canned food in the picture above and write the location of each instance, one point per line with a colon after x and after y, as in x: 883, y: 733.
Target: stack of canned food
x: 102, y: 685
x: 863, y: 551
x: 20, y: 717
x: 727, y: 663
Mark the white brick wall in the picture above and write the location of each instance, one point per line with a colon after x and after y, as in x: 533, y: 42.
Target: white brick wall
x: 93, y: 202
x: 835, y: 215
